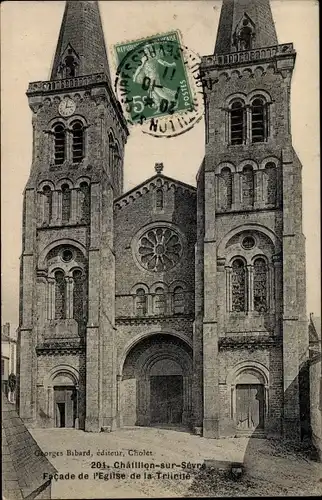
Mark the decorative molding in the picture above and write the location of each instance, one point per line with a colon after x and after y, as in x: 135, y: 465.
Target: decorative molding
x: 249, y: 56
x: 155, y: 182
x: 57, y: 348
x: 154, y: 320
x: 251, y: 342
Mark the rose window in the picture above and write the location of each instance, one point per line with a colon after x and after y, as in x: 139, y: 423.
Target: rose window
x: 159, y: 249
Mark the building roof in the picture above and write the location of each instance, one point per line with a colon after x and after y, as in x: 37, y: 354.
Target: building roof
x: 23, y: 465
x: 314, y: 329
x: 82, y: 32
x: 232, y: 13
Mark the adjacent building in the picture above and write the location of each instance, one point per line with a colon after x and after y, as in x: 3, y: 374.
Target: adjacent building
x: 316, y: 382
x: 8, y: 356
x: 169, y: 304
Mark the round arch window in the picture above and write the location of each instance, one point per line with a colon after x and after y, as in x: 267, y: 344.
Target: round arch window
x: 159, y: 249
x: 248, y: 242
x: 67, y: 255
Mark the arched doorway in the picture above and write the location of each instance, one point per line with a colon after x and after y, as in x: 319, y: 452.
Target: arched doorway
x: 250, y: 401
x: 166, y: 392
x: 155, y: 386
x: 65, y: 401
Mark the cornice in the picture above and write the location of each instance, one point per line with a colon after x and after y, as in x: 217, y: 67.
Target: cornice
x: 155, y: 320
x: 253, y: 56
x: 57, y: 348
x: 251, y: 342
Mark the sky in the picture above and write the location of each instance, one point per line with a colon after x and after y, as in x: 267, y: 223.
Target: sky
x: 29, y: 33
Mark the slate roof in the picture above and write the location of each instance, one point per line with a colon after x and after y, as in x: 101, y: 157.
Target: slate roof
x: 22, y: 464
x: 231, y: 14
x: 314, y: 329
x: 82, y: 30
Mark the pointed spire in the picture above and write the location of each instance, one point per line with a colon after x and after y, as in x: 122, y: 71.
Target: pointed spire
x: 245, y: 25
x: 81, y: 47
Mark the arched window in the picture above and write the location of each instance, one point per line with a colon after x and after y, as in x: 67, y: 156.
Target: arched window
x: 85, y: 203
x: 178, y: 300
x: 245, y: 38
x: 159, y: 301
x: 59, y: 144
x: 159, y: 199
x: 226, y: 187
x: 260, y: 285
x: 237, y: 123
x: 111, y: 151
x: 271, y: 183
x: 60, y: 295
x: 259, y: 118
x: 248, y: 186
x: 78, y: 295
x: 238, y: 282
x: 78, y: 142
x: 48, y: 204
x: 66, y: 202
x: 70, y: 64
x: 117, y: 167
x: 140, y: 302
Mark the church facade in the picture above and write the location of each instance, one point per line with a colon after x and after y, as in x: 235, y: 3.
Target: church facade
x: 169, y: 304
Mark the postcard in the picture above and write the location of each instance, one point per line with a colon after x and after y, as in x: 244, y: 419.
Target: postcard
x: 161, y: 332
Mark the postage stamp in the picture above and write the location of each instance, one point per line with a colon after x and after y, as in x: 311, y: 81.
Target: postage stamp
x: 158, y: 85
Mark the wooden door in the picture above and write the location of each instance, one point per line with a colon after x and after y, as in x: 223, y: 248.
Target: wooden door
x: 65, y: 406
x: 250, y: 406
x: 166, y: 399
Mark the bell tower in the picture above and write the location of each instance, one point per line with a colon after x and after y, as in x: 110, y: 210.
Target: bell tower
x: 66, y: 361
x: 251, y: 317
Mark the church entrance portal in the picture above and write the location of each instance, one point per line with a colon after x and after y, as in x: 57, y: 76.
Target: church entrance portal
x: 166, y: 399
x: 155, y: 387
x: 65, y: 406
x: 250, y: 406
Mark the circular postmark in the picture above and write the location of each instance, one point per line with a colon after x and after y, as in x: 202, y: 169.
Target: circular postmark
x: 158, y: 85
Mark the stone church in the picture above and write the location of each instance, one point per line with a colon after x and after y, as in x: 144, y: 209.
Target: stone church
x: 169, y: 304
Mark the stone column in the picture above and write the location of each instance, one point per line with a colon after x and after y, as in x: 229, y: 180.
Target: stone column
x: 51, y: 298
x: 79, y: 205
x: 248, y: 124
x: 74, y: 204
x: 69, y: 297
x: 149, y: 304
x: 51, y: 406
x: 76, y: 407
x: 236, y: 191
x: 258, y: 189
x: 56, y: 207
x: 118, y: 401
x: 228, y: 289
x: 250, y: 293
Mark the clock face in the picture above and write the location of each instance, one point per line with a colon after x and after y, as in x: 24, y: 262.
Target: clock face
x: 67, y: 107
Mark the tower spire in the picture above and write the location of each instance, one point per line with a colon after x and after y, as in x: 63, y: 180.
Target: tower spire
x: 245, y: 25
x: 81, y: 47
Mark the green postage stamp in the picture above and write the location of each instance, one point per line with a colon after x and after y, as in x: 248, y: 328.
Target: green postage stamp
x: 152, y: 79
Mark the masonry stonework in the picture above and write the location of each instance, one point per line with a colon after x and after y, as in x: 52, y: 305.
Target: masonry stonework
x: 168, y: 304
